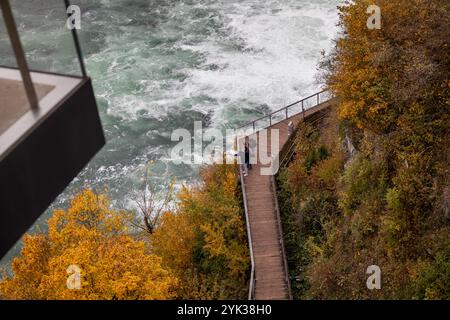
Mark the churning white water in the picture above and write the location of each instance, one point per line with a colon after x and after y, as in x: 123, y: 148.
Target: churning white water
x: 159, y: 65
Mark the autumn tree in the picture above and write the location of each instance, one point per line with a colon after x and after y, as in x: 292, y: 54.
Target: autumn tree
x: 204, y: 242
x: 153, y: 199
x: 94, y: 239
x: 393, y: 84
x: 387, y: 203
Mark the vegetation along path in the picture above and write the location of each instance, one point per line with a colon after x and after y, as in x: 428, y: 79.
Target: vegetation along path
x: 270, y: 279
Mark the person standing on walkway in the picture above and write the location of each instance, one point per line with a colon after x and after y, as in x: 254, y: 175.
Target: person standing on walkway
x: 247, y: 157
x: 243, y: 161
x: 290, y: 128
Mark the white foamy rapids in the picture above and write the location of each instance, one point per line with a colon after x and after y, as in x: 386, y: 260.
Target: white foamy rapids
x: 282, y: 46
x: 158, y: 65
x: 254, y: 56
x: 279, y: 45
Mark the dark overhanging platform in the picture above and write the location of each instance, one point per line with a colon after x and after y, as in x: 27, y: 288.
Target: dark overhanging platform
x: 49, y: 130
x: 38, y: 168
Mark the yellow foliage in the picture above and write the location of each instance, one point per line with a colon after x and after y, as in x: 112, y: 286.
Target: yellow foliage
x: 173, y: 240
x: 204, y: 242
x: 94, y: 238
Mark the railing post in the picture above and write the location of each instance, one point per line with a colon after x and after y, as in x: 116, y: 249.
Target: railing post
x: 303, y: 110
x: 19, y: 53
x: 77, y: 44
x: 286, y: 108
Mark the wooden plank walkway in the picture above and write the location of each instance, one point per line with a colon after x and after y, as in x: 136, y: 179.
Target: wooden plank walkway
x: 271, y: 276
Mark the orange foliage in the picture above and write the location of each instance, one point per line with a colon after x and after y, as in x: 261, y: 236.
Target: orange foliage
x: 94, y: 238
x: 204, y: 242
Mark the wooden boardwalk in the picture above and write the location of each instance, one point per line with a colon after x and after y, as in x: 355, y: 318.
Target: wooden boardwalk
x: 271, y: 275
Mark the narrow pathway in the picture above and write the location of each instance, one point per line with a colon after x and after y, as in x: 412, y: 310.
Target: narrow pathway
x: 271, y: 276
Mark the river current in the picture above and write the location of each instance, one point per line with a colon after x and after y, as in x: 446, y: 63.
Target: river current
x: 159, y: 65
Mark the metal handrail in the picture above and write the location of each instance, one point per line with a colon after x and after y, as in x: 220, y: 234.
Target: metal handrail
x: 289, y: 147
x: 285, y: 156
x: 286, y: 111
x: 77, y: 43
x: 280, y: 230
x: 251, y: 289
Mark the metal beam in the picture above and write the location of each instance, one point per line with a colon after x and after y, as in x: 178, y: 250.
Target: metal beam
x: 19, y: 53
